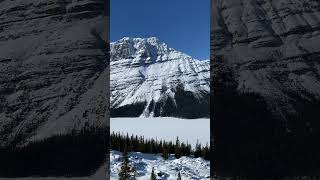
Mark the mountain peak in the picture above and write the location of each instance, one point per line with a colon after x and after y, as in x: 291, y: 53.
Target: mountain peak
x: 144, y: 77
x: 154, y: 40
x: 144, y: 50
x: 131, y: 39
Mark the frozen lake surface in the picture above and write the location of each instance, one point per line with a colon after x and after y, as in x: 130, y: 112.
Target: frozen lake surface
x: 165, y: 128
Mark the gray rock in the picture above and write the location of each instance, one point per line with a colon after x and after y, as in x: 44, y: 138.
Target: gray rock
x: 53, y: 68
x: 272, y: 47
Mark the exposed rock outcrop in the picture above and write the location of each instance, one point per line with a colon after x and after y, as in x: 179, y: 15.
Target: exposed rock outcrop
x: 273, y: 47
x: 266, y: 87
x: 53, y: 67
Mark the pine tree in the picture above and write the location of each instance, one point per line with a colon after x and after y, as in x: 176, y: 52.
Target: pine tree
x: 124, y: 172
x: 206, y: 152
x: 177, y: 150
x: 198, y: 150
x: 189, y: 149
x: 127, y: 172
x: 153, y: 175
x: 165, y: 154
x: 179, y: 176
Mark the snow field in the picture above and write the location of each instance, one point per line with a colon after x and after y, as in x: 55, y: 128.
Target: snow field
x: 190, y: 168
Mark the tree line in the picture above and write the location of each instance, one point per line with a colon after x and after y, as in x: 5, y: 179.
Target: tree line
x: 122, y: 143
x: 77, y: 153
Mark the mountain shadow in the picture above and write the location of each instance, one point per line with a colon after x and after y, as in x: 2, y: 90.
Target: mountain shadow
x: 184, y: 104
x: 250, y: 140
x: 76, y: 154
x: 130, y: 110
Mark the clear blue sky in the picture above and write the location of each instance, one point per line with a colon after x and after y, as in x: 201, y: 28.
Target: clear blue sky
x: 183, y: 24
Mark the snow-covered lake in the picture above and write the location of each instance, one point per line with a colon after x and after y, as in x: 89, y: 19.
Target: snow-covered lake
x: 165, y: 128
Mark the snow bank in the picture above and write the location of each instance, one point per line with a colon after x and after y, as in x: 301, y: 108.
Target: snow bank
x: 190, y: 168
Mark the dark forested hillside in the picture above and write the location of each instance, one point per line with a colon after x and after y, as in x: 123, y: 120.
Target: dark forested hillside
x: 265, y: 89
x: 78, y: 153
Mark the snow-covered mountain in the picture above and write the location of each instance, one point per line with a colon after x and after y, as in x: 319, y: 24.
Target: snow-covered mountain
x: 148, y: 78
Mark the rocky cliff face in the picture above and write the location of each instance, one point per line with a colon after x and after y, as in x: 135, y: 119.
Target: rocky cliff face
x: 53, y: 67
x: 266, y: 87
x: 148, y: 78
x: 273, y: 46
